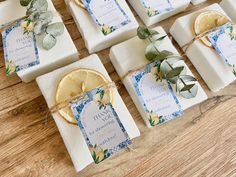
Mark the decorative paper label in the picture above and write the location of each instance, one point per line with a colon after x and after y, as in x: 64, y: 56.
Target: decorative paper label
x: 155, y: 7
x: 108, y: 14
x: 100, y: 124
x: 224, y: 41
x: 157, y: 97
x: 20, y: 49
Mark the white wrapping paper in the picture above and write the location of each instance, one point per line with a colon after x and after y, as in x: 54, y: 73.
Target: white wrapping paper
x: 229, y: 7
x: 178, y: 5
x: 92, y: 35
x: 62, y: 54
x: 209, y: 64
x: 71, y: 134
x: 130, y: 55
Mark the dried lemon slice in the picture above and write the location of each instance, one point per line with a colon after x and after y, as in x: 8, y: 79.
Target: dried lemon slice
x: 207, y: 21
x: 77, y: 82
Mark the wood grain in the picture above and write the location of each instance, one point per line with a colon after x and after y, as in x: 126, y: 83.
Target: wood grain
x: 200, y: 143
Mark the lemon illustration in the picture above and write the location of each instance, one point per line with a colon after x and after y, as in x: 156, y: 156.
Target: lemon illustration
x: 77, y: 82
x: 207, y: 21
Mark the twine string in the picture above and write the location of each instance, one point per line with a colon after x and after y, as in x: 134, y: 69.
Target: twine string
x: 202, y: 35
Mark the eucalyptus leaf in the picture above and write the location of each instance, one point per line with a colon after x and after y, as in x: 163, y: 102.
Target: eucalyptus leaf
x: 25, y: 2
x: 46, y: 17
x: 188, y: 78
x: 30, y: 11
x: 174, y: 59
x: 144, y: 33
x: 39, y: 5
x: 49, y: 42
x: 187, y: 87
x: 151, y: 52
x: 191, y: 93
x: 163, y: 55
x: 158, y: 41
x: 55, y: 29
x: 175, y: 72
x: 40, y: 27
x: 34, y: 16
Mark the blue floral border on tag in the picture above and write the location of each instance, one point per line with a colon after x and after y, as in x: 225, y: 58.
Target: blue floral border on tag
x: 111, y: 28
x: 213, y: 37
x: 77, y: 107
x: 4, y: 39
x: 151, y: 12
x: 137, y: 76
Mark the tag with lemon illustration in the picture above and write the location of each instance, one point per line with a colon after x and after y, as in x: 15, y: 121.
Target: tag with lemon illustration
x: 20, y: 49
x: 108, y: 14
x: 100, y: 124
x: 154, y: 7
x: 156, y: 95
x: 222, y: 38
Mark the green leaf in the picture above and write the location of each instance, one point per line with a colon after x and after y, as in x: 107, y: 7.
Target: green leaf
x: 151, y: 52
x: 39, y: 5
x: 40, y: 27
x: 56, y: 29
x: 175, y: 72
x: 187, y: 87
x: 144, y: 33
x: 190, y: 93
x: 25, y: 2
x: 49, y: 42
x: 46, y: 17
x: 188, y: 78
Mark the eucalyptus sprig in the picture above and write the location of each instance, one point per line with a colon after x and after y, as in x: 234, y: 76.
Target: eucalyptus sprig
x: 167, y: 67
x: 38, y: 20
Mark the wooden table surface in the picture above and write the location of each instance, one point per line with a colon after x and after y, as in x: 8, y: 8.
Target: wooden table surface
x: 200, y: 143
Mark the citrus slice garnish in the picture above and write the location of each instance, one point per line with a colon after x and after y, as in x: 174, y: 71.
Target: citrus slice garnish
x: 78, y: 82
x: 207, y: 21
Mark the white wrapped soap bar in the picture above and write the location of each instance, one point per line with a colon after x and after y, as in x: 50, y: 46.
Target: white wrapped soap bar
x: 92, y: 35
x: 206, y: 60
x: 71, y: 134
x: 229, y: 7
x: 130, y: 55
x: 177, y: 5
x: 63, y: 53
x: 195, y: 2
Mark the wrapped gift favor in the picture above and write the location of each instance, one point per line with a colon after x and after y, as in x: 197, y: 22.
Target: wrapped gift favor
x: 161, y: 87
x: 194, y: 2
x: 207, y: 37
x: 103, y: 23
x: 35, y: 41
x: 229, y: 7
x: 151, y: 11
x: 88, y: 110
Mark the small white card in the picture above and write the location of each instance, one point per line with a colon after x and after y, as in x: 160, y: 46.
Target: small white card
x: 102, y: 129
x: 155, y: 7
x: 224, y: 42
x: 20, y: 49
x: 157, y: 97
x: 108, y: 14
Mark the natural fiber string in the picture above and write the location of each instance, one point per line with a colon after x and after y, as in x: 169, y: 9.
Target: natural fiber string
x: 204, y: 34
x: 141, y: 67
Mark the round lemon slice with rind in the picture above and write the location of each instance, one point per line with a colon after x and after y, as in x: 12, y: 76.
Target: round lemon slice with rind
x: 78, y: 82
x: 207, y: 21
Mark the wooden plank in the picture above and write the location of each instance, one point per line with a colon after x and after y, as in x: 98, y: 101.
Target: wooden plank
x: 201, y: 143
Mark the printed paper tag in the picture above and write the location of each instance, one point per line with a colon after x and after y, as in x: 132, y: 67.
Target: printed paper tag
x: 20, y: 50
x: 100, y: 124
x: 224, y: 41
x: 154, y: 7
x: 108, y: 14
x: 157, y: 97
